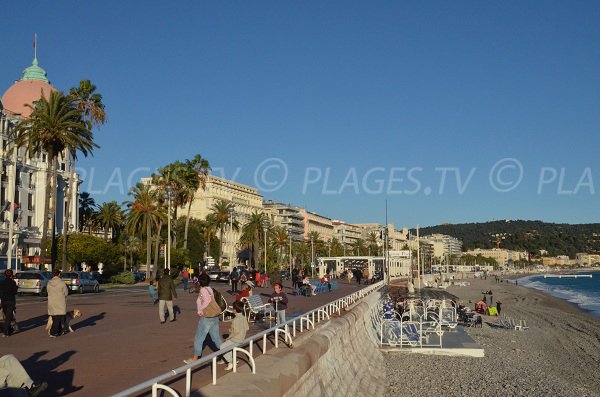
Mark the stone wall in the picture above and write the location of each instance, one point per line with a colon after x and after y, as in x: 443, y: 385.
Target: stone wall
x: 339, y: 358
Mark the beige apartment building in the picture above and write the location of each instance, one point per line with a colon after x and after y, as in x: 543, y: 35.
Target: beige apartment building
x: 314, y: 222
x: 500, y: 255
x: 287, y: 216
x: 560, y: 260
x: 346, y: 233
x: 584, y: 259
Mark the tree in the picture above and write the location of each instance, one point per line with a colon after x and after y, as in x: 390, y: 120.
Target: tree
x: 110, y: 217
x: 220, y: 211
x: 372, y: 243
x: 89, y: 103
x: 87, y: 206
x: 280, y: 240
x: 201, y: 168
x: 253, y: 232
x: 142, y: 216
x: 55, y: 125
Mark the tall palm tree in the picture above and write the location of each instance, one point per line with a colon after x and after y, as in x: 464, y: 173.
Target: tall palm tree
x: 220, y: 210
x: 143, y: 214
x: 280, y: 240
x: 110, y: 217
x: 358, y: 246
x: 209, y: 231
x: 89, y: 102
x: 201, y: 169
x: 55, y: 125
x: 253, y: 232
x: 87, y: 206
x: 372, y: 240
x: 170, y: 180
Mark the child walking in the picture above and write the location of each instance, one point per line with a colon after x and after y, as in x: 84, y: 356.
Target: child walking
x: 237, y: 333
x: 152, y: 291
x: 279, y: 300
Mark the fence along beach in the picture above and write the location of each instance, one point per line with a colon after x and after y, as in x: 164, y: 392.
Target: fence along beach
x: 559, y: 355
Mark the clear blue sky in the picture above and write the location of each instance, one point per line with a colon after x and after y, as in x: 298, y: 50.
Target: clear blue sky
x: 339, y: 106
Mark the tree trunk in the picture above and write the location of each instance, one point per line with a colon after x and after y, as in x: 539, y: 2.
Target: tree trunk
x: 54, y: 251
x: 157, y: 246
x: 44, y: 241
x: 148, y: 247
x: 221, y: 245
x: 173, y: 228
x: 67, y: 216
x: 187, y: 225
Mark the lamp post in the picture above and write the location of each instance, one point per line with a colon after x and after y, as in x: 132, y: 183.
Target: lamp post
x: 290, y: 236
x: 265, y: 225
x: 169, y: 189
x: 231, y: 248
x: 344, y: 240
x: 312, y: 254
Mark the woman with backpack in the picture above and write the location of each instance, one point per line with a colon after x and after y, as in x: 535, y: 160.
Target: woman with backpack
x: 206, y: 325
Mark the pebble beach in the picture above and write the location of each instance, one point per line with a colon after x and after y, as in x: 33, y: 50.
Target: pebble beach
x: 559, y: 355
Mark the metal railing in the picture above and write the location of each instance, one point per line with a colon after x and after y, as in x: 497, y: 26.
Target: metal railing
x: 306, y: 320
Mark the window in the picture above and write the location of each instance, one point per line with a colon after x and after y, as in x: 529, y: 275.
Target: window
x: 30, y: 201
x: 30, y: 221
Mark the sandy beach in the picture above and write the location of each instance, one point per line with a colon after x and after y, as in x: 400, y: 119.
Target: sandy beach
x: 559, y: 355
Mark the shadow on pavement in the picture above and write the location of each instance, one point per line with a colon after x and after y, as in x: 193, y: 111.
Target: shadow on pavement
x: 89, y: 321
x: 31, y: 323
x: 60, y: 383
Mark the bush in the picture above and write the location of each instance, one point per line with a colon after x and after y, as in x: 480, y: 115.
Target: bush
x: 123, y: 278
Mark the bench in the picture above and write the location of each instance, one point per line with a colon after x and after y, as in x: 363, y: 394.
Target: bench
x: 255, y: 307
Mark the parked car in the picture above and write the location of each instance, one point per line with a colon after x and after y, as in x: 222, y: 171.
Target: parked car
x: 223, y: 277
x: 214, y: 275
x: 139, y: 276
x: 99, y: 277
x: 32, y: 282
x: 285, y: 275
x: 80, y: 282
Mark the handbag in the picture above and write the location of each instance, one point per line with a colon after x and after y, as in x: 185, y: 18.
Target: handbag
x: 213, y: 309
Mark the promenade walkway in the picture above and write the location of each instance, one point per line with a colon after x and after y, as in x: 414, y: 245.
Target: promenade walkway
x: 119, y: 341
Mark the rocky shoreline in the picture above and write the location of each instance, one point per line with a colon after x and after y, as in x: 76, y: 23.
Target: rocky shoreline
x: 559, y: 355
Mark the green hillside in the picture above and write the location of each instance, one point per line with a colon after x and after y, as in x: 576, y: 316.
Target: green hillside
x: 531, y: 236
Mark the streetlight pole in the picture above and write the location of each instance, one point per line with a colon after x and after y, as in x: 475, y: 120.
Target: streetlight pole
x: 290, y: 236
x: 169, y: 227
x: 231, y: 249
x: 312, y: 250
x: 344, y: 240
x: 265, y: 224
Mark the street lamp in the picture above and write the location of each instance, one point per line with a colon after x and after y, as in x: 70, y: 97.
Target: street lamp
x: 344, y: 240
x: 231, y: 248
x: 265, y: 225
x: 290, y: 236
x: 169, y: 190
x: 312, y: 253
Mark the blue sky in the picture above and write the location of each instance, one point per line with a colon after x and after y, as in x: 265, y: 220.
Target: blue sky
x: 451, y: 111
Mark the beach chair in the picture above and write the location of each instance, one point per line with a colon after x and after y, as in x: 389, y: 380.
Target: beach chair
x: 448, y: 317
x: 410, y: 334
x: 255, y: 307
x: 521, y: 325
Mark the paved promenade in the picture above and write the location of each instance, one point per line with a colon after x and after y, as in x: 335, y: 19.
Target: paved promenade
x: 119, y: 341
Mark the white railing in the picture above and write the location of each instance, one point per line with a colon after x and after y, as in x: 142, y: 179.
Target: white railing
x: 308, y: 320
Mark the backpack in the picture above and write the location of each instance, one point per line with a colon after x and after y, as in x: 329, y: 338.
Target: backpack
x: 220, y: 299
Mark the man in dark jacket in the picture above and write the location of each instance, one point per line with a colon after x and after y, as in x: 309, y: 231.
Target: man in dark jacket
x: 166, y: 294
x: 8, y: 293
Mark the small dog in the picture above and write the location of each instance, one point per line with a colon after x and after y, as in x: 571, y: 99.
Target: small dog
x: 76, y: 313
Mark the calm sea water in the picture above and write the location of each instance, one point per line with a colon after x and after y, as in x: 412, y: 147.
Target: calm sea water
x: 584, y: 292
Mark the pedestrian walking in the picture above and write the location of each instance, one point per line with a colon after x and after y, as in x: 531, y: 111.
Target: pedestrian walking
x: 166, y: 294
x: 57, y: 303
x: 206, y: 325
x: 234, y: 278
x: 185, y: 278
x: 152, y: 292
x: 8, y: 300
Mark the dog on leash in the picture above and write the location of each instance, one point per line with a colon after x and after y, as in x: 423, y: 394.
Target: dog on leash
x: 73, y: 314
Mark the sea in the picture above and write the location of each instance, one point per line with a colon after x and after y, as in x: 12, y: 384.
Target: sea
x: 584, y: 292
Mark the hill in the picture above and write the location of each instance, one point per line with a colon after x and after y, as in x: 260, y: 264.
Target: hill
x: 530, y: 236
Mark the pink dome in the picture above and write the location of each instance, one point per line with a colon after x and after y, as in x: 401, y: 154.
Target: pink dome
x: 25, y: 92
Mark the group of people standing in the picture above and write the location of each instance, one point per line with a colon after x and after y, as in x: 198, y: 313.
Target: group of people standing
x: 242, y: 275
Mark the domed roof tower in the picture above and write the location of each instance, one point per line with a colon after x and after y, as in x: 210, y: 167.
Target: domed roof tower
x: 33, y: 84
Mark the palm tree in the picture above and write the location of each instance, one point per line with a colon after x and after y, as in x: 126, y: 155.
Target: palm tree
x: 372, y: 240
x: 280, y: 240
x: 220, y: 210
x: 143, y: 214
x: 110, y: 217
x: 89, y: 102
x: 253, y: 231
x: 209, y: 231
x: 87, y: 206
x: 201, y: 169
x: 358, y: 247
x: 55, y: 125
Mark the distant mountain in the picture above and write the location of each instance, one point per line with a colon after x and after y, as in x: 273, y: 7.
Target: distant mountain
x: 531, y: 236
